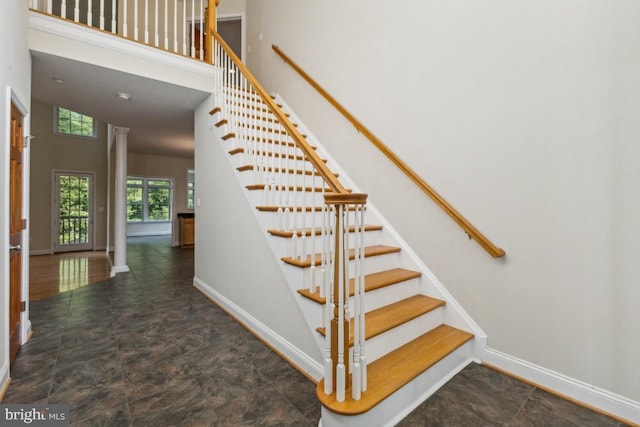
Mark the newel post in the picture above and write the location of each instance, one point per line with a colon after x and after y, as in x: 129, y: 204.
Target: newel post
x: 211, y: 26
x: 345, y: 249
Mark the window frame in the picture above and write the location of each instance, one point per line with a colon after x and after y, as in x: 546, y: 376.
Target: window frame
x: 191, y: 190
x: 56, y: 124
x: 145, y: 198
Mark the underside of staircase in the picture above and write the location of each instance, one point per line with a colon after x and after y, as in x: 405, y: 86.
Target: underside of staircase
x: 412, y: 348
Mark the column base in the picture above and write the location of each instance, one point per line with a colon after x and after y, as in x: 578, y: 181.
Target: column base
x: 119, y: 269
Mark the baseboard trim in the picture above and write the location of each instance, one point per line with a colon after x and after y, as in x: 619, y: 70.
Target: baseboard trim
x: 5, y: 380
x: 41, y: 252
x: 149, y: 233
x: 305, y: 364
x: 594, y: 398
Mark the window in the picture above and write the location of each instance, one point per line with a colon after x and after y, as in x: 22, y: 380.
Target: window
x: 71, y: 123
x: 191, y: 188
x: 148, y: 199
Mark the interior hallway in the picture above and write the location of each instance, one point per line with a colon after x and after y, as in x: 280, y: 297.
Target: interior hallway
x: 146, y: 349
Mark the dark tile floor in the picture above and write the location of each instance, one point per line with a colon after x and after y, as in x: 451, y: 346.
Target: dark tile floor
x: 146, y: 349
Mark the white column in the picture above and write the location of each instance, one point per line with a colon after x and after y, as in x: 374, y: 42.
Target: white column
x: 120, y: 204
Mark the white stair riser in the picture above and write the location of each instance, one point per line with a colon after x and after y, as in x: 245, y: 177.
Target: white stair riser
x: 384, y: 343
x: 389, y: 294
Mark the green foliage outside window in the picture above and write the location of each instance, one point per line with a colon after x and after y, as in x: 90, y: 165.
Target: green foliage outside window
x: 72, y: 123
x: 148, y: 200
x: 191, y: 188
x: 73, y: 209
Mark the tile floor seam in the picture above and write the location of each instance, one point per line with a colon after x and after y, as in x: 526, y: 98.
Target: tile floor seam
x: 172, y: 285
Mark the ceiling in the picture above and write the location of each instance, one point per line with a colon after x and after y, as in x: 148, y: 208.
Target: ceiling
x: 158, y: 114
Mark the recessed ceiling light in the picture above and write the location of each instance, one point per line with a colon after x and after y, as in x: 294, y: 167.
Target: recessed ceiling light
x: 57, y: 80
x: 123, y: 96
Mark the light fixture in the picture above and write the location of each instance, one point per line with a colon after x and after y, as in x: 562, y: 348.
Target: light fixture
x: 57, y: 80
x: 123, y: 96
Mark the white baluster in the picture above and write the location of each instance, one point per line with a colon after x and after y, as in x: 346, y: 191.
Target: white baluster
x: 175, y: 25
x: 102, y: 14
x: 156, y: 34
x: 166, y: 25
x: 313, y: 230
x: 50, y: 8
x: 135, y: 19
x: 202, y: 31
x: 113, y: 17
x: 184, y: 27
x: 193, y: 28
x: 328, y: 309
x: 340, y: 368
x: 76, y: 11
x: 363, y: 359
x: 125, y: 25
x: 146, y: 21
x: 89, y: 13
x: 356, y: 373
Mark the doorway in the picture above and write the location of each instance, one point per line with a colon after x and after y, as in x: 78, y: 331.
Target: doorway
x: 16, y: 225
x: 73, y: 212
x: 231, y: 31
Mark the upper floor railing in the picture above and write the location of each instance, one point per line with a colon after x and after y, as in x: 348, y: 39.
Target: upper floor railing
x: 179, y: 26
x: 471, y: 231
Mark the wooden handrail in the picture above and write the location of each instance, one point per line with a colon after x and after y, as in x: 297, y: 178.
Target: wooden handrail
x: 308, y: 151
x: 471, y: 231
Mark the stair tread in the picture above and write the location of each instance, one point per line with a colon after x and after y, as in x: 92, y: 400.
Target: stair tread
x: 273, y: 208
x: 368, y: 252
x: 253, y: 187
x: 241, y: 150
x: 371, y: 282
x: 391, y: 372
x: 246, y: 168
x: 318, y: 231
x: 393, y: 315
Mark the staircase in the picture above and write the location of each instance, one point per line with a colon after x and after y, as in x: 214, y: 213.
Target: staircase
x: 417, y: 336
x: 406, y: 330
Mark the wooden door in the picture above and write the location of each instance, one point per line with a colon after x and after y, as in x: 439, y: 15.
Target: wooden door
x: 15, y: 230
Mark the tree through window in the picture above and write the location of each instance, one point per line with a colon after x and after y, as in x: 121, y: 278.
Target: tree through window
x: 148, y: 199
x: 72, y: 123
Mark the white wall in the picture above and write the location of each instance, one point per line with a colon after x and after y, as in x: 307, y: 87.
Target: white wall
x: 232, y: 7
x: 232, y: 255
x: 15, y: 73
x: 524, y: 115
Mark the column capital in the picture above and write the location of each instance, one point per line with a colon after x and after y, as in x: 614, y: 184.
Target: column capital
x: 121, y: 130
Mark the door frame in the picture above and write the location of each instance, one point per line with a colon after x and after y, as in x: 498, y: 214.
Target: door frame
x: 224, y: 17
x: 243, y: 29
x: 54, y: 208
x: 11, y: 97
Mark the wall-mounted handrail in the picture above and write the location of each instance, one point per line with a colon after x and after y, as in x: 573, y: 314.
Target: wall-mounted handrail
x: 471, y: 231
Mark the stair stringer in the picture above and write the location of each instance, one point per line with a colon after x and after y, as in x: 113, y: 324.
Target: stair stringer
x: 454, y: 313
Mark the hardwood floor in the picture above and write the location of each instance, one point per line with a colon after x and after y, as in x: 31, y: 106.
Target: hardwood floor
x: 50, y: 275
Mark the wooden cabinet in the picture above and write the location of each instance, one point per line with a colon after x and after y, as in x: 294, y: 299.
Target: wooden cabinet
x: 187, y: 230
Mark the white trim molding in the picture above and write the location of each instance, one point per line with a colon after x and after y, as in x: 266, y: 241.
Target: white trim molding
x: 589, y: 395
x: 5, y: 379
x: 305, y: 363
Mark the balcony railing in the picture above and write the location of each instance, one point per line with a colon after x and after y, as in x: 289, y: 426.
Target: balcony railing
x: 178, y: 26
